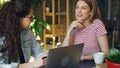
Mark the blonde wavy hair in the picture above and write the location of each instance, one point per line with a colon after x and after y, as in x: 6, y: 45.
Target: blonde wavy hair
x: 94, y: 8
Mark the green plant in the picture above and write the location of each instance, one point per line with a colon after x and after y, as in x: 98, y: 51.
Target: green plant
x: 113, y: 56
x: 2, y: 2
x: 37, y: 26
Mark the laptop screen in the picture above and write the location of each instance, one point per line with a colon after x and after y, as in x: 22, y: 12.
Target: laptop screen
x: 64, y: 57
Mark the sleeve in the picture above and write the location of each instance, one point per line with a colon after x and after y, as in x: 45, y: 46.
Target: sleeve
x: 12, y: 65
x: 100, y: 30
x: 3, y: 65
x: 36, y: 49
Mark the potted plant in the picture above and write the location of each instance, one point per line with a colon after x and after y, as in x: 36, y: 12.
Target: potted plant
x: 113, y: 58
x: 37, y: 26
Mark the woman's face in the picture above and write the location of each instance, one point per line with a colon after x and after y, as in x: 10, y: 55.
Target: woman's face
x: 25, y: 21
x: 82, y: 11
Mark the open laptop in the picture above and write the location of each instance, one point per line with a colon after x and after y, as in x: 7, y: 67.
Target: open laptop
x: 64, y: 57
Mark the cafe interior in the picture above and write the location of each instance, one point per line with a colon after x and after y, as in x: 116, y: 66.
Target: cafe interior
x: 58, y: 14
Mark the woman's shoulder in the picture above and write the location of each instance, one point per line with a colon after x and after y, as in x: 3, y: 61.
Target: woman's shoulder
x: 97, y: 21
x: 27, y: 32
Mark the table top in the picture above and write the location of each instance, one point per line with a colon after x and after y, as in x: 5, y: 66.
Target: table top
x: 89, y: 64
x: 103, y: 65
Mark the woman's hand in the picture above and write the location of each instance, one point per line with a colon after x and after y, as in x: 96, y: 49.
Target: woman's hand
x: 44, y: 60
x: 75, y: 25
x: 40, y: 61
x: 87, y: 57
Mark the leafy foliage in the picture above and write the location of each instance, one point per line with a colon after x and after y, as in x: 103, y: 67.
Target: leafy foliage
x: 113, y: 56
x: 2, y: 2
x: 38, y: 25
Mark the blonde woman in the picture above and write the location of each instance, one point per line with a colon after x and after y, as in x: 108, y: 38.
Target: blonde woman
x: 88, y: 29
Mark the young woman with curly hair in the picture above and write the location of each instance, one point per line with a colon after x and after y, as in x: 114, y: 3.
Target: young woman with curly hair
x: 17, y: 41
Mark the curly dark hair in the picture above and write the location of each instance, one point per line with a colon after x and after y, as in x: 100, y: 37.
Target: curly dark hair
x: 10, y: 27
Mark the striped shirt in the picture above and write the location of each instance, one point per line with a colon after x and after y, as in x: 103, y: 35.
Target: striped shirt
x: 89, y: 36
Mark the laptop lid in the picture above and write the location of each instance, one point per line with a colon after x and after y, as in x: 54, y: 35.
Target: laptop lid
x: 64, y: 57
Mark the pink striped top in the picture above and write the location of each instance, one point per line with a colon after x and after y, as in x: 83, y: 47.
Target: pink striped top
x: 89, y: 36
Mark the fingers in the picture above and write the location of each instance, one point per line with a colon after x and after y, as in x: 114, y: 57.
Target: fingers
x: 44, y: 61
x: 37, y: 63
x: 80, y: 26
x: 44, y: 55
x: 77, y: 24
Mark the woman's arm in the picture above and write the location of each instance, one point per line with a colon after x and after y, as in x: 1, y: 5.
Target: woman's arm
x: 88, y: 57
x: 17, y: 65
x: 68, y: 40
x: 35, y: 64
x: 26, y: 65
x: 103, y: 42
x: 74, y: 25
